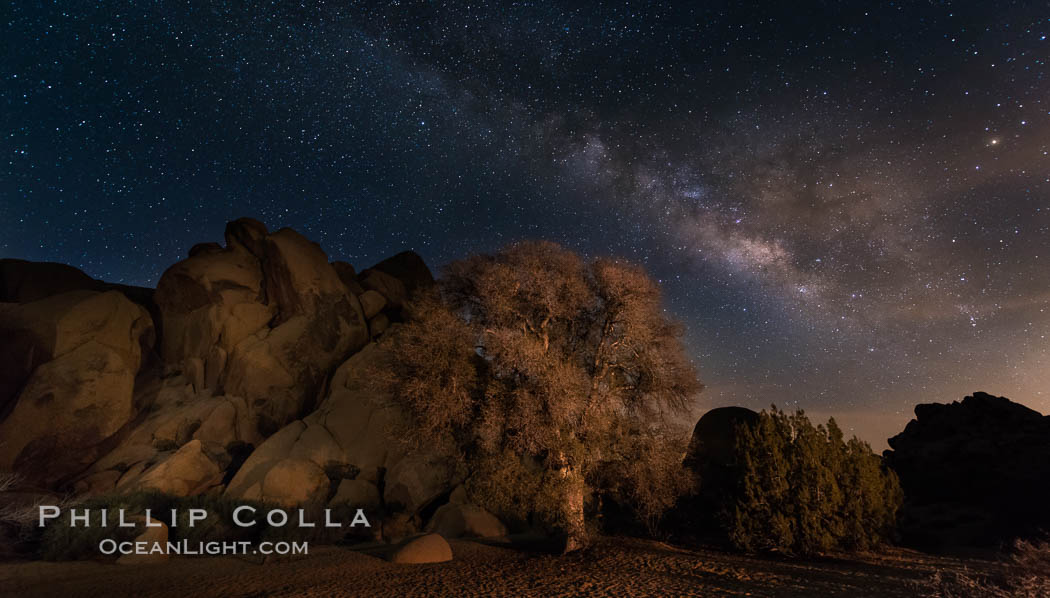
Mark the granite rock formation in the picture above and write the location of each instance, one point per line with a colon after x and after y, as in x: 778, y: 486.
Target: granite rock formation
x: 243, y: 373
x: 974, y: 472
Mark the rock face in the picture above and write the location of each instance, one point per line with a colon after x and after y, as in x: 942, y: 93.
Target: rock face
x: 409, y: 268
x: 245, y: 372
x: 25, y: 282
x: 71, y: 389
x: 431, y: 548
x: 975, y: 472
x: 189, y: 471
x: 22, y: 281
x: 264, y: 319
x: 351, y: 437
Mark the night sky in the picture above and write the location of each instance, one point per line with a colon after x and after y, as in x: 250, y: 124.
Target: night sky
x: 848, y: 206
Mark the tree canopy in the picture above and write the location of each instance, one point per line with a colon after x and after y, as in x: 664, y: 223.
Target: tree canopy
x: 551, y: 377
x: 803, y: 489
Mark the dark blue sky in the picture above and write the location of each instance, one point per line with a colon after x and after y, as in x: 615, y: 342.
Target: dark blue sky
x: 848, y: 207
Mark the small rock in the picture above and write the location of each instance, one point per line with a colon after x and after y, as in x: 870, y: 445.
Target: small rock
x: 372, y: 303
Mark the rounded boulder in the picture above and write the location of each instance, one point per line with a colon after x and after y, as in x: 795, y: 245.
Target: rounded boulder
x: 430, y: 548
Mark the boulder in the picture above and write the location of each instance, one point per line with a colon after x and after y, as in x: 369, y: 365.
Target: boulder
x: 259, y: 382
x: 429, y: 548
x: 97, y: 483
x: 975, y: 472
x: 301, y: 281
x: 364, y: 425
x: 409, y: 268
x: 177, y: 416
x: 712, y: 460
x: 210, y: 299
x: 214, y: 366
x: 88, y: 348
x: 187, y: 472
x: 348, y: 275
x: 372, y: 303
x: 23, y: 281
x: 316, y: 444
x: 247, y: 482
x: 386, y: 285
x: 359, y: 494
x: 459, y: 520
x: 351, y: 432
x: 21, y: 352
x: 280, y: 369
x: 60, y: 323
x: 295, y: 482
x: 714, y: 436
x: 204, y: 248
x: 346, y: 434
x: 246, y: 233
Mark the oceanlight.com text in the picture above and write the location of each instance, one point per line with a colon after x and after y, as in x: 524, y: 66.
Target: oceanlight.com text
x: 213, y: 548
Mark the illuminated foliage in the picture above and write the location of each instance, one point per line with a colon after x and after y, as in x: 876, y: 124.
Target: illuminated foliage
x: 545, y: 374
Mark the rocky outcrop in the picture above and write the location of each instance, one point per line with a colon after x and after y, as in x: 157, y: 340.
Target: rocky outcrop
x: 408, y: 268
x: 175, y: 415
x: 351, y: 437
x: 975, y: 472
x: 244, y: 373
x: 265, y: 319
x: 23, y: 281
x: 712, y: 459
x: 71, y: 389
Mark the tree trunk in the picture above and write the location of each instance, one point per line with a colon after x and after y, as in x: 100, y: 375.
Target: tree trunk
x: 575, y: 529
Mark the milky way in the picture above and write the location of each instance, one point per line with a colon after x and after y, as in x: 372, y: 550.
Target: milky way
x: 848, y: 207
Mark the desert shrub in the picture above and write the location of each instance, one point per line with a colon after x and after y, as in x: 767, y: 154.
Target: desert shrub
x: 9, y: 481
x: 1024, y: 574
x: 802, y: 489
x: 547, y: 379
x: 19, y: 508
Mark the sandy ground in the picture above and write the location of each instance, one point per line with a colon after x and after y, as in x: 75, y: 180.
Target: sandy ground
x: 612, y: 567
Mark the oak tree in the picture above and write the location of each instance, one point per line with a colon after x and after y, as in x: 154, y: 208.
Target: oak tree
x: 550, y: 377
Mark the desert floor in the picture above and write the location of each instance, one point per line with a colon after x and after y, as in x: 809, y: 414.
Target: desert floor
x: 612, y: 567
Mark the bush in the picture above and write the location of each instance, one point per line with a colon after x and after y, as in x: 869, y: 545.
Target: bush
x: 801, y: 489
x: 1025, y: 574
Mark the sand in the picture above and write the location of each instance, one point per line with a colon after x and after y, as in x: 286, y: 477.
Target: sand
x: 612, y: 567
